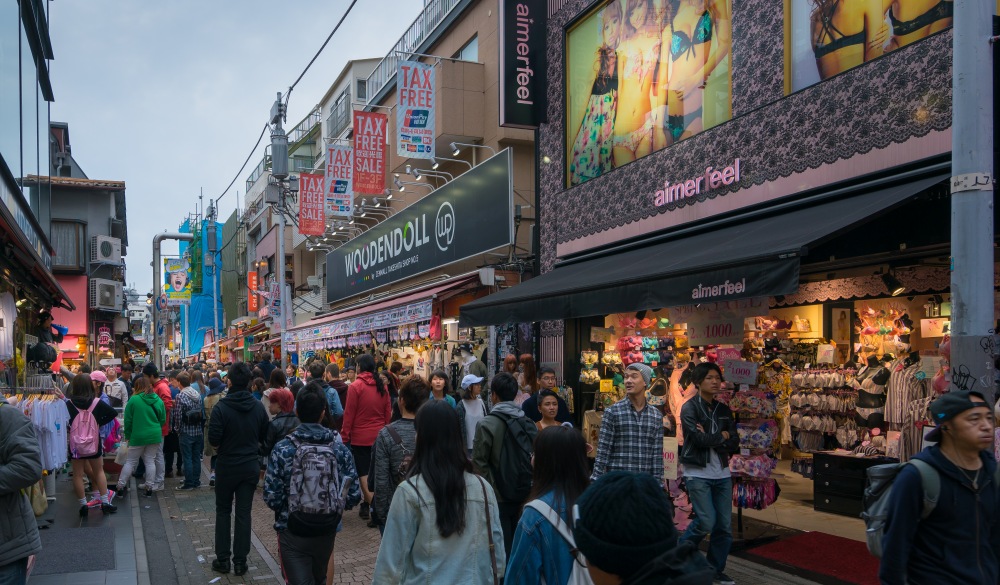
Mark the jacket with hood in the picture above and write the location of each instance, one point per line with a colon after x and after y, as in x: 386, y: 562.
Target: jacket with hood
x: 20, y: 468
x: 162, y: 389
x: 280, y: 427
x: 238, y: 426
x: 960, y: 540
x: 267, y: 367
x: 341, y: 387
x: 366, y: 412
x: 489, y: 440
x: 713, y: 418
x: 144, y: 418
x: 681, y: 565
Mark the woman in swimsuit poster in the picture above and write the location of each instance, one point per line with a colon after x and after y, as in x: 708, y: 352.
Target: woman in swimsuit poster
x: 696, y: 40
x: 591, y: 155
x: 638, y: 59
x: 912, y: 20
x: 846, y: 33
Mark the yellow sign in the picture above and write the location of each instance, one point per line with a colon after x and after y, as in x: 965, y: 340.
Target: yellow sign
x: 607, y: 386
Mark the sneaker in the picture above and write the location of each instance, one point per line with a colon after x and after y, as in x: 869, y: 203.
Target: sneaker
x: 364, y: 512
x: 211, y: 480
x: 168, y: 474
x: 723, y: 579
x: 185, y: 488
x: 121, y: 491
x: 84, y: 510
x: 109, y: 508
x: 111, y: 496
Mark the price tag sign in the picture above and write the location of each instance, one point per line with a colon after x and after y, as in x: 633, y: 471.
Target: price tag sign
x: 669, y: 458
x: 740, y: 372
x: 728, y: 353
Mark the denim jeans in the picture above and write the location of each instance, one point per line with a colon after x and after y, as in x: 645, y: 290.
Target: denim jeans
x: 191, y: 448
x: 712, y: 501
x: 14, y: 573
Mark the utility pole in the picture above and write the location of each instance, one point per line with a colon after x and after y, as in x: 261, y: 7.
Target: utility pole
x: 972, y: 338
x: 213, y: 249
x: 279, y: 171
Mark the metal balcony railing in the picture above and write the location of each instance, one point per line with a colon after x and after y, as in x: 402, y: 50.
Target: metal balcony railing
x: 262, y: 167
x: 340, y: 115
x: 305, y: 126
x: 433, y: 14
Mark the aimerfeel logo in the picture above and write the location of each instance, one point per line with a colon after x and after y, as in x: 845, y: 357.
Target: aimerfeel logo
x: 444, y: 226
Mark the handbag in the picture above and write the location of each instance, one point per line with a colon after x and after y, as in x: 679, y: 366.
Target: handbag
x: 122, y: 455
x: 36, y: 495
x: 489, y: 531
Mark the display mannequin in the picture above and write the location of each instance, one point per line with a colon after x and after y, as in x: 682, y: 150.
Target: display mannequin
x: 471, y: 365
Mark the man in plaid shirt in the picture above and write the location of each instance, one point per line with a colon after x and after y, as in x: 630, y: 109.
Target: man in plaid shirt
x: 631, y: 436
x: 188, y: 421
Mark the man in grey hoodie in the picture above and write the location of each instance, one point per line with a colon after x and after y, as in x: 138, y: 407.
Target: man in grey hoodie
x: 20, y: 468
x: 488, y: 452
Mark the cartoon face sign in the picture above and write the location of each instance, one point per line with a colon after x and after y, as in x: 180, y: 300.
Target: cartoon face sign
x: 177, y: 280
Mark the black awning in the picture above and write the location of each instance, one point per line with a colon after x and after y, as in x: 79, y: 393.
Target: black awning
x: 747, y: 258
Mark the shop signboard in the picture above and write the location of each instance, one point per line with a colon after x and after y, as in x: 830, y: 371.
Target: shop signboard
x: 466, y: 217
x: 339, y: 175
x: 415, y: 104
x: 740, y: 371
x: 522, y: 63
x: 719, y: 323
x: 669, y: 458
x: 253, y: 304
x: 312, y: 217
x: 105, y: 337
x: 369, y: 152
x: 728, y: 353
x: 176, y: 281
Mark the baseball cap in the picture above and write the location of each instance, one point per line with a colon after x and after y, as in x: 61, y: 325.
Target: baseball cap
x: 948, y: 406
x: 469, y: 380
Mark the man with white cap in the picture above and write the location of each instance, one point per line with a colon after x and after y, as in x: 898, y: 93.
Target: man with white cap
x: 471, y: 408
x: 631, y: 437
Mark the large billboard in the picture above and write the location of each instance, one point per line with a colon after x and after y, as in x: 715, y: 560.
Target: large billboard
x: 469, y: 216
x: 177, y: 281
x: 642, y: 75
x: 831, y: 36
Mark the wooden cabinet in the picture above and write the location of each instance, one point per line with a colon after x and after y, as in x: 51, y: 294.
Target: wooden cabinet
x: 839, y: 482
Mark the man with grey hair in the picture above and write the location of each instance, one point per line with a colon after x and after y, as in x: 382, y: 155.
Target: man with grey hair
x: 631, y: 436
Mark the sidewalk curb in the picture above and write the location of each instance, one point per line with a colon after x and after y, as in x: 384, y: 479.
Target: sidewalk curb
x: 175, y: 549
x: 138, y: 538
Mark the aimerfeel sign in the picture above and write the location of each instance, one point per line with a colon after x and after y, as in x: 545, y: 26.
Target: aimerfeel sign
x: 712, y: 178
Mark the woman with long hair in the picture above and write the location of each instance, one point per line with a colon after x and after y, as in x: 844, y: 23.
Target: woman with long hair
x: 368, y: 410
x: 638, y: 60
x: 540, y: 554
x: 442, y: 515
x: 145, y: 416
x: 510, y: 364
x: 82, y: 398
x: 198, y: 382
x: 527, y: 378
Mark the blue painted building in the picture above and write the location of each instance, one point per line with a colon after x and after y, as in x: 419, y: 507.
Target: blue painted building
x: 199, y: 319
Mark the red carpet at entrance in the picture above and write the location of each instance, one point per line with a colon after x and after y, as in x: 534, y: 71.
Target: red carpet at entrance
x: 833, y: 556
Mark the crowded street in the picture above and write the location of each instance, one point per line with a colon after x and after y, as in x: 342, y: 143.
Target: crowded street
x: 499, y: 292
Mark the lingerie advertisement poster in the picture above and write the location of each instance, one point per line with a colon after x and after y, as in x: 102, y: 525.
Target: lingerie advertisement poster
x: 831, y: 36
x: 642, y: 75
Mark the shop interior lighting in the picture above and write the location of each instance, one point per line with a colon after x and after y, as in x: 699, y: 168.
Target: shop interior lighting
x: 449, y: 321
x: 398, y: 184
x: 434, y: 164
x: 409, y: 170
x: 388, y: 193
x: 892, y: 283
x: 455, y: 147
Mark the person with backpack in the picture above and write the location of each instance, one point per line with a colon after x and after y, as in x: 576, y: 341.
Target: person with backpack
x: 306, y: 484
x: 543, y: 543
x: 394, y: 448
x: 471, y: 409
x: 622, y: 526
x: 501, y: 452
x: 710, y: 438
x: 942, y: 522
x: 443, y: 524
x: 144, y: 417
x: 189, y: 423
x: 368, y: 410
x: 86, y: 415
x: 236, y: 429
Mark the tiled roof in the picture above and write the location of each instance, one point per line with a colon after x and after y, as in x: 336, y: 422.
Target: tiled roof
x: 81, y: 183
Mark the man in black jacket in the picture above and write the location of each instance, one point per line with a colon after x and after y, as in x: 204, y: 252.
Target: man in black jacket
x: 709, y: 439
x: 236, y: 430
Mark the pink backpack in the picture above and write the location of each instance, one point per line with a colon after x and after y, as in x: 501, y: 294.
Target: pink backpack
x: 84, y: 438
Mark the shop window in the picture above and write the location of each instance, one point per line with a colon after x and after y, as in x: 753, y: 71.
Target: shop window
x: 828, y: 37
x: 69, y: 242
x: 624, y: 70
x: 470, y: 51
x: 10, y: 113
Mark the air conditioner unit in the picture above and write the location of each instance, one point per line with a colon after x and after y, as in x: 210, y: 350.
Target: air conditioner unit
x: 105, y: 250
x: 105, y: 295
x: 314, y: 282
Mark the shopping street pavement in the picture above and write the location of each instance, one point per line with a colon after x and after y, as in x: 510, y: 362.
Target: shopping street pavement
x: 168, y: 539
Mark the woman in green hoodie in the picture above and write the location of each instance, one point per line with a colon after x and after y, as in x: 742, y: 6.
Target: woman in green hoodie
x: 144, y: 419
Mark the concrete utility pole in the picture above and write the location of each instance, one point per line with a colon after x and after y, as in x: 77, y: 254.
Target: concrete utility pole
x: 213, y: 249
x: 158, y: 288
x: 279, y: 171
x: 972, y: 340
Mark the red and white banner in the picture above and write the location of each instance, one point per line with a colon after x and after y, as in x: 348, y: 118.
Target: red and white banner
x: 415, y: 110
x: 369, y: 152
x: 252, y: 283
x: 339, y: 174
x: 312, y: 217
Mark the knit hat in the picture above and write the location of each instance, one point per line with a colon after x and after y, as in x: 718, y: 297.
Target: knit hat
x: 645, y: 371
x: 98, y: 376
x: 625, y: 519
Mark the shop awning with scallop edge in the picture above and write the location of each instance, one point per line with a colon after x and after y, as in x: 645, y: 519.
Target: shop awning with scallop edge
x: 754, y: 256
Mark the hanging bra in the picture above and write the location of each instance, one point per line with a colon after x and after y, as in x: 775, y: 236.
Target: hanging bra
x: 940, y: 11
x: 835, y: 44
x: 681, y: 43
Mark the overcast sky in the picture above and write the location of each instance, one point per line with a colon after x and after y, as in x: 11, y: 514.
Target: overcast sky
x: 170, y: 96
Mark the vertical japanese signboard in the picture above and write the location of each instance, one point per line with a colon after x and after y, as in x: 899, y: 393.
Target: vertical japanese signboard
x: 339, y: 174
x: 311, y: 204
x: 369, y: 152
x: 415, y: 102
x: 252, y: 302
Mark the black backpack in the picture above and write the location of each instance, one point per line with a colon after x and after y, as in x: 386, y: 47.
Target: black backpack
x: 512, y: 477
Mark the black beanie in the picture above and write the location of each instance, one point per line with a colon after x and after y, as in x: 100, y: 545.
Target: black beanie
x: 625, y: 521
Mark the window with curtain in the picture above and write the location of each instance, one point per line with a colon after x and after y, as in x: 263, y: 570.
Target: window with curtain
x: 69, y: 242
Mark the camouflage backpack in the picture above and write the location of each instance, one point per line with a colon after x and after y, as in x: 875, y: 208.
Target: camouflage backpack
x: 315, y: 502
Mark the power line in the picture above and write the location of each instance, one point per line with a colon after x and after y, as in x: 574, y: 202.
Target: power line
x: 249, y: 156
x: 323, y: 46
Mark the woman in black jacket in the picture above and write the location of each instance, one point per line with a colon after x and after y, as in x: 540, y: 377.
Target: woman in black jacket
x: 81, y: 398
x: 282, y: 406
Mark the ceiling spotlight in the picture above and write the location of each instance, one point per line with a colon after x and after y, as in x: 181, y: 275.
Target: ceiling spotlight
x: 378, y: 203
x: 434, y: 164
x: 892, y: 284
x: 455, y: 149
x: 362, y: 213
x: 546, y: 160
x: 409, y: 169
x: 351, y: 222
x: 399, y: 185
x: 388, y: 194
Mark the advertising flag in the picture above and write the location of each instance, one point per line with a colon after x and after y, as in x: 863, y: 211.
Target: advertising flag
x: 415, y: 103
x: 339, y: 174
x: 176, y: 281
x: 369, y: 152
x: 253, y: 303
x: 311, y: 205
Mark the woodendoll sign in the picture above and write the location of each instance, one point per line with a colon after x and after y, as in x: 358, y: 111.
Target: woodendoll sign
x: 469, y: 216
x: 522, y: 63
